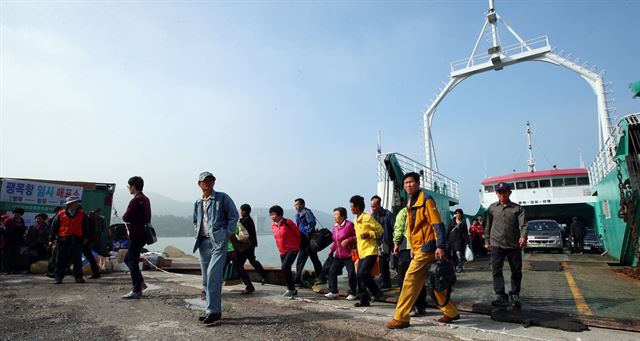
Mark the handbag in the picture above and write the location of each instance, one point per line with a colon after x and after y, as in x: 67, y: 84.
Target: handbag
x: 468, y: 254
x: 150, y: 234
x: 320, y: 239
x: 230, y: 274
x: 242, y: 238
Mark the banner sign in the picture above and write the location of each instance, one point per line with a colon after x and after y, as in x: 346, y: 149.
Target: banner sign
x: 35, y: 196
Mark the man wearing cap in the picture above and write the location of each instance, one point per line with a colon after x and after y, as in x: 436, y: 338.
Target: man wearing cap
x: 506, y: 236
x: 214, y: 217
x: 67, y: 230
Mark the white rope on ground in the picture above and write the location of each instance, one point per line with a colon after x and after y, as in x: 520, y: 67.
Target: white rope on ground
x: 430, y: 322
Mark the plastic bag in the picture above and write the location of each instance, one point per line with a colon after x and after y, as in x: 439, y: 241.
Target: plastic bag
x: 468, y: 254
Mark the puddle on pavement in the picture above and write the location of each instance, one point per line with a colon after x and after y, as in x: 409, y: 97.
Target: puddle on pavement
x: 196, y: 303
x: 152, y: 287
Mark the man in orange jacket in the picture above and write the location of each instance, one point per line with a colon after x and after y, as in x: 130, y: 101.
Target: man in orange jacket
x: 428, y: 243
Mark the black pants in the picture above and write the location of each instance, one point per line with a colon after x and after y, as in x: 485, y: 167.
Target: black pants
x: 250, y: 255
x: 365, y: 280
x: 302, y: 259
x: 385, y: 271
x: 514, y: 257
x: 404, y: 259
x: 478, y: 247
x: 233, y: 257
x: 69, y: 251
x: 53, y: 258
x: 132, y: 259
x: 578, y: 245
x: 86, y: 251
x: 336, y: 267
x: 287, y: 261
x: 11, y: 257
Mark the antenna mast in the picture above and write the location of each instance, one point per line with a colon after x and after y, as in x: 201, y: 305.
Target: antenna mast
x: 531, y: 163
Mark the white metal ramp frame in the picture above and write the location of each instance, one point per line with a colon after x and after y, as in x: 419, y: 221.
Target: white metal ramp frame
x: 496, y: 58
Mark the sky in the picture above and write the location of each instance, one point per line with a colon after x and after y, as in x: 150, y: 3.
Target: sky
x: 284, y: 99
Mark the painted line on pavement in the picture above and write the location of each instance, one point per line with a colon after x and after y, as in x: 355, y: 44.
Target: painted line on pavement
x: 581, y: 303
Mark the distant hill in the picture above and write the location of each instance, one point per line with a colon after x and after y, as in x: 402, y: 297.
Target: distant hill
x: 172, y: 218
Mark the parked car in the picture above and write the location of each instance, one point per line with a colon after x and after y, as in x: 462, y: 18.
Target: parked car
x: 544, y: 234
x: 592, y: 241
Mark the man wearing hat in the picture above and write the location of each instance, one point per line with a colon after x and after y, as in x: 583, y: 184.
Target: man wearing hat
x: 68, y: 231
x: 214, y: 217
x: 506, y: 236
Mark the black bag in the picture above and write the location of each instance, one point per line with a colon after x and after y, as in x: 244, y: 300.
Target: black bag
x: 442, y: 276
x: 320, y: 239
x: 230, y: 273
x: 326, y: 266
x: 150, y: 234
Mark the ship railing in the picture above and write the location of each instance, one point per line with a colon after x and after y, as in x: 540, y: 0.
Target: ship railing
x: 604, y: 162
x: 429, y: 178
x: 507, y: 51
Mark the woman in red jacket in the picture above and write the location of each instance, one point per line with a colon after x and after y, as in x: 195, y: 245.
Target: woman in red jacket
x: 287, y: 237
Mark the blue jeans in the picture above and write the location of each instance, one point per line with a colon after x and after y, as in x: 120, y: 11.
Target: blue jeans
x: 213, y: 254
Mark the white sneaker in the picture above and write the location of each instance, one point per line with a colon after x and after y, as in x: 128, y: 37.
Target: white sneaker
x: 351, y: 297
x: 331, y: 296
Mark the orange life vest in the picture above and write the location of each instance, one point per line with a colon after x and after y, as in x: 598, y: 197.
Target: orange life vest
x: 70, y: 226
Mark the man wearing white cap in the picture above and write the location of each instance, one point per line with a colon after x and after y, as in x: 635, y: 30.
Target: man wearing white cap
x: 67, y: 230
x: 214, y: 217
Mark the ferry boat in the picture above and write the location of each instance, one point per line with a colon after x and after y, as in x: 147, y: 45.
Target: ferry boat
x: 557, y: 194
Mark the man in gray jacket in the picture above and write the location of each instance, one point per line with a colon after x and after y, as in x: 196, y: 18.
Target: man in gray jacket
x: 506, y: 236
x: 214, y: 217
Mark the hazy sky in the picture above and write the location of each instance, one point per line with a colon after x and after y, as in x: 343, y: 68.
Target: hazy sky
x: 281, y: 99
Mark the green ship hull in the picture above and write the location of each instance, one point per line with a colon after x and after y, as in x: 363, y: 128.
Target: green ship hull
x: 616, y: 232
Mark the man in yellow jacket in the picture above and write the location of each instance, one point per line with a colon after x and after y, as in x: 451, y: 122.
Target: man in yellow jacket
x: 428, y: 243
x: 368, y: 232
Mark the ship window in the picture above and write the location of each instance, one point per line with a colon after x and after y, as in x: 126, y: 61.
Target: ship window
x: 532, y: 184
x: 545, y: 183
x: 582, y: 181
x: 570, y: 181
x: 511, y: 185
x: 521, y: 185
x: 488, y: 188
x: 557, y: 182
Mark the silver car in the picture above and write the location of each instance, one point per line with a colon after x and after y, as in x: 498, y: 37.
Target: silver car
x: 544, y: 235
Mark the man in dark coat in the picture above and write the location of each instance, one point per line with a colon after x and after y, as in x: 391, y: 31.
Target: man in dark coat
x: 576, y: 233
x: 250, y: 253
x: 14, y: 241
x: 387, y: 220
x: 457, y: 239
x: 138, y: 215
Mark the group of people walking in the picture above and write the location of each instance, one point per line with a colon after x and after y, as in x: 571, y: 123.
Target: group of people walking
x: 414, y: 239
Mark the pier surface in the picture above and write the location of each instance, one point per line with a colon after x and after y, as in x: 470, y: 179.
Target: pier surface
x: 34, y: 308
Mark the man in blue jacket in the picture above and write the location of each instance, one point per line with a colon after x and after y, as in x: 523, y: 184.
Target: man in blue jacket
x: 214, y: 218
x: 306, y: 221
